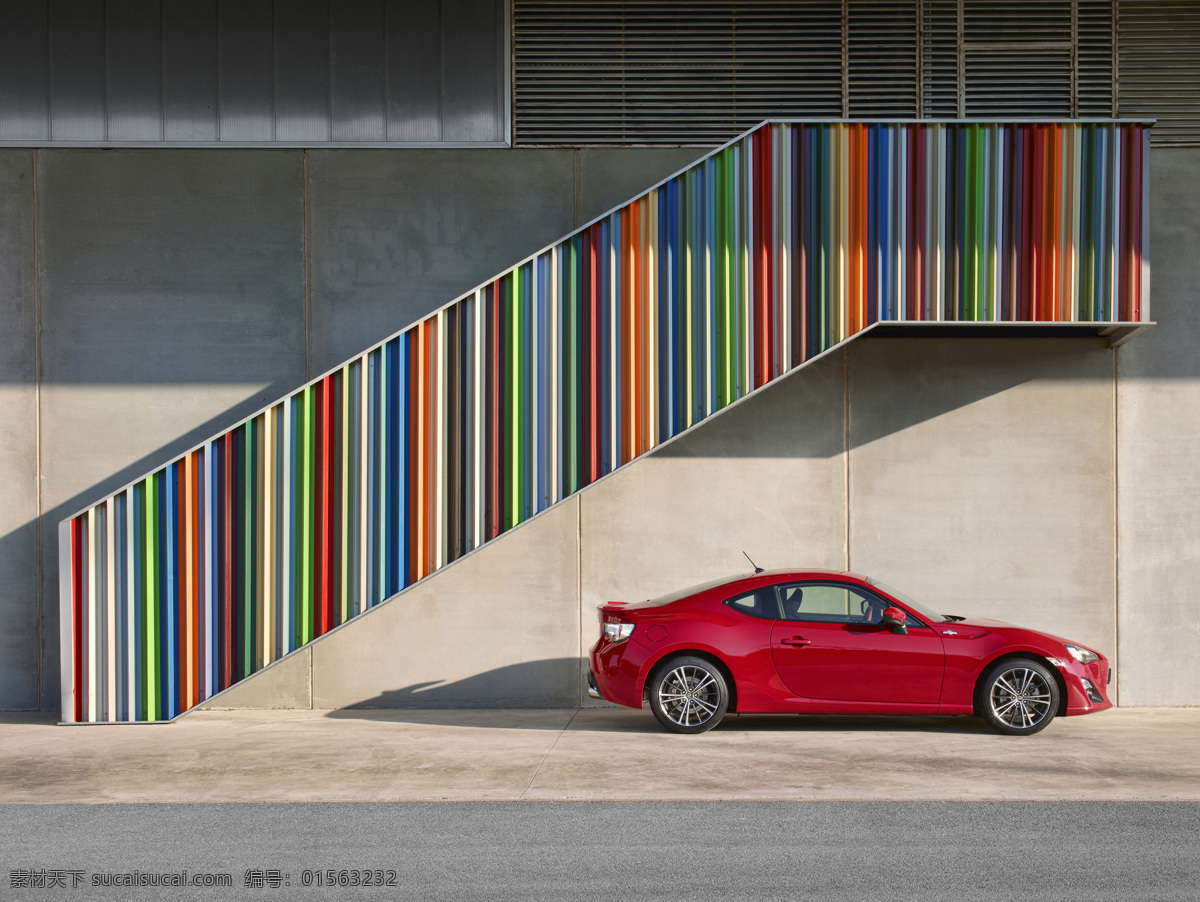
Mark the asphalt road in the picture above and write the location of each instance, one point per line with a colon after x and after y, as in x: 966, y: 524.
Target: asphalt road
x: 859, y: 851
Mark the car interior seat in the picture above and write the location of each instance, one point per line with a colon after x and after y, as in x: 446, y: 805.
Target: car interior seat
x: 791, y: 607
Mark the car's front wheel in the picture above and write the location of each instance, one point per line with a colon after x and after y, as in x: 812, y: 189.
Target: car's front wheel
x: 1018, y: 696
x: 688, y: 695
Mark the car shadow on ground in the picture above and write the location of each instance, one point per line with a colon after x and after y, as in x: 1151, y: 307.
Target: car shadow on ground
x: 858, y: 723
x: 614, y: 720
x: 544, y: 694
x: 623, y: 720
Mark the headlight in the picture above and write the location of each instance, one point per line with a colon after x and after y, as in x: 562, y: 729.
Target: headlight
x: 618, y: 632
x: 1082, y: 655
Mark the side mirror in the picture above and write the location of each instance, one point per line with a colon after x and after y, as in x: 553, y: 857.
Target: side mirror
x: 894, y: 617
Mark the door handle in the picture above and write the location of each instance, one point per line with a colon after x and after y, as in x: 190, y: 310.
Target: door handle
x: 795, y: 640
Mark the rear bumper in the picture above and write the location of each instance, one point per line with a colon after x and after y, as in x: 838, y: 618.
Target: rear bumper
x: 593, y: 689
x: 614, y: 671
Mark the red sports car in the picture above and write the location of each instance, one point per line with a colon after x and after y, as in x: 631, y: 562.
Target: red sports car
x: 817, y: 641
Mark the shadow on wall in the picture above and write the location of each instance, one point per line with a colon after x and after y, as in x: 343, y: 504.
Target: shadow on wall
x: 21, y: 544
x: 547, y: 683
x: 927, y: 377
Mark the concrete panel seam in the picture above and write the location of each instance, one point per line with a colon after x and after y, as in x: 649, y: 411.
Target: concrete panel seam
x: 307, y: 275
x: 39, y: 564
x: 579, y: 593
x: 1116, y: 477
x: 846, y: 446
x: 542, y: 763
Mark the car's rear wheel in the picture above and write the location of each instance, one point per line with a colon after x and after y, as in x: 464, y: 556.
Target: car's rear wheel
x: 1018, y: 696
x: 689, y: 695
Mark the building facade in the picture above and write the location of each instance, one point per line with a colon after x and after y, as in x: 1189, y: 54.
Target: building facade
x: 207, y: 205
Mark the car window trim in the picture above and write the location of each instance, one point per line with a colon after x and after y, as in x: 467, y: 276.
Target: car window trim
x: 864, y: 590
x: 729, y: 603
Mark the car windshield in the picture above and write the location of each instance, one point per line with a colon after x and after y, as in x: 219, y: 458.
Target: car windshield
x: 916, y: 606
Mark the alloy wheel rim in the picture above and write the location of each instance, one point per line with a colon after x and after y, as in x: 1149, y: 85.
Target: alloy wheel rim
x: 688, y: 696
x: 1020, y: 698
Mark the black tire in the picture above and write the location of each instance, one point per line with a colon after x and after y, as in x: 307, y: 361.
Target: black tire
x: 1018, y: 696
x: 688, y: 695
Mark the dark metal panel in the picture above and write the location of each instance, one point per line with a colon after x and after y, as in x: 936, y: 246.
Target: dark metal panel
x: 247, y: 70
x: 190, y: 57
x: 358, y: 69
x: 133, y: 31
x: 77, y: 89
x: 302, y: 70
x: 414, y: 61
x: 25, y: 74
x: 472, y: 70
x: 311, y: 72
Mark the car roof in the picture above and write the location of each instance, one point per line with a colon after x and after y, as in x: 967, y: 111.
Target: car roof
x: 752, y: 580
x: 806, y: 571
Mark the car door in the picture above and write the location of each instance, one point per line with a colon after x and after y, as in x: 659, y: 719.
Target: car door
x: 831, y: 645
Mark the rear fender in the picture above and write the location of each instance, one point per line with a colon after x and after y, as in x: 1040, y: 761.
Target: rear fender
x: 706, y: 653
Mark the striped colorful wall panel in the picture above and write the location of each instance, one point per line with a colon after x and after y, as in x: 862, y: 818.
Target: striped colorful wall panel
x: 631, y: 330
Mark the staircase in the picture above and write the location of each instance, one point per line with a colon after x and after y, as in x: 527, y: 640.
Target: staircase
x: 751, y: 263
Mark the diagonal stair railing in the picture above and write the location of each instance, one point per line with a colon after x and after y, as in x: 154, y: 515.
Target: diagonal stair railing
x: 755, y: 260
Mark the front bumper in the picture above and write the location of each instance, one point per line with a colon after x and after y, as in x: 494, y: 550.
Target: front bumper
x: 1087, y: 685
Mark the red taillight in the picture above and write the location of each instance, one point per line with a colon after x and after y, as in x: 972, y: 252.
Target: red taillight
x: 616, y: 631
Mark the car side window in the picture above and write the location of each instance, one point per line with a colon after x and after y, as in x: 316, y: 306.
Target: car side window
x: 759, y: 603
x: 832, y: 603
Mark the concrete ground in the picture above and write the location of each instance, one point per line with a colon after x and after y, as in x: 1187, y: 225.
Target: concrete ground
x: 1129, y: 754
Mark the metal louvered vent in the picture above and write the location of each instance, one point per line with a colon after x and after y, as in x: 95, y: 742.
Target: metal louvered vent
x: 1160, y: 67
x: 1036, y: 58
x: 646, y: 71
x: 882, y: 38
x: 939, y: 60
x: 1003, y: 84
x: 1016, y: 58
x: 663, y: 72
x: 1094, y: 59
x: 1016, y: 21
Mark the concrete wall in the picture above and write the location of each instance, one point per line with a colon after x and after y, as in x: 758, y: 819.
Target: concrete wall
x: 981, y: 478
x: 151, y: 298
x: 1158, y: 455
x: 172, y: 303
x: 19, y: 550
x: 1048, y: 482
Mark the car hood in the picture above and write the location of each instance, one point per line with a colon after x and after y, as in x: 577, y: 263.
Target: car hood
x: 980, y: 623
x: 977, y: 623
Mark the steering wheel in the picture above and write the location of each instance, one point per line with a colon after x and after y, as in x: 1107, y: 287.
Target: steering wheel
x: 869, y: 611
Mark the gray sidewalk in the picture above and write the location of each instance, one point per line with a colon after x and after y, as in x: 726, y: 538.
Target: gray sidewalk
x: 1147, y: 754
